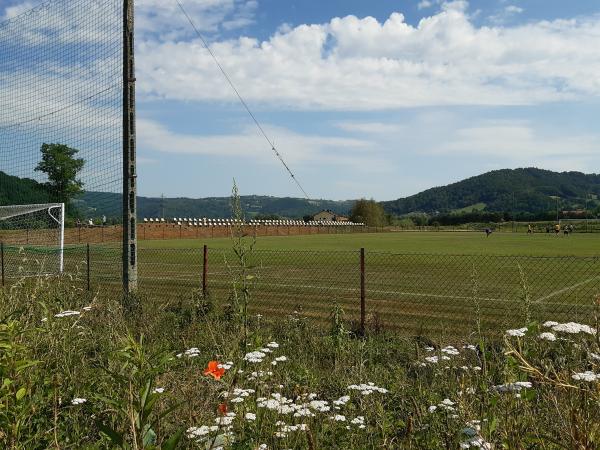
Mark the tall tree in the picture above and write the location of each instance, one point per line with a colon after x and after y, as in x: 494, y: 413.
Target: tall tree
x: 369, y: 212
x: 62, y: 167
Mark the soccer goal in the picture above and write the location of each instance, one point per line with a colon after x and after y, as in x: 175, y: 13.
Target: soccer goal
x: 38, y: 230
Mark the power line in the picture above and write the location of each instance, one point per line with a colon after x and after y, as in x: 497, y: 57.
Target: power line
x: 240, y: 98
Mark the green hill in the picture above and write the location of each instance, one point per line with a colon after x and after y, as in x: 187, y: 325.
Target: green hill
x: 20, y: 191
x: 528, y: 190
x: 212, y: 207
x: 14, y: 191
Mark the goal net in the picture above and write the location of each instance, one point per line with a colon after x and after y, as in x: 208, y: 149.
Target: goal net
x: 36, y: 233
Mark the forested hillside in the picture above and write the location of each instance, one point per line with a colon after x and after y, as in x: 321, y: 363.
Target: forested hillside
x: 520, y: 190
x: 215, y: 207
x: 18, y: 191
x: 530, y: 191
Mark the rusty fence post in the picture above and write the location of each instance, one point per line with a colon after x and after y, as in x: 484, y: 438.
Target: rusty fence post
x: 87, y: 260
x: 204, y: 270
x: 2, y: 260
x: 363, y: 306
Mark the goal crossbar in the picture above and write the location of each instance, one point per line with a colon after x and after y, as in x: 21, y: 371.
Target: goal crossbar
x: 11, y: 211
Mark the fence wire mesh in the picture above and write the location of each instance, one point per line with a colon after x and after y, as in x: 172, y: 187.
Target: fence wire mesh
x: 61, y: 114
x: 407, y: 293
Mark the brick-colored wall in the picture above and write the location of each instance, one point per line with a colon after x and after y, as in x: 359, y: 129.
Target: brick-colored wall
x: 173, y: 231
x: 166, y: 231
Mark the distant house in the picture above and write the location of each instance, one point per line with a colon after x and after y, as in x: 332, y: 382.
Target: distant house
x: 324, y: 216
x: 575, y: 213
x: 328, y: 216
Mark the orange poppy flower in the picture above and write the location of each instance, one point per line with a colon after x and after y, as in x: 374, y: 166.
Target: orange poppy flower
x: 214, y: 370
x: 222, y: 408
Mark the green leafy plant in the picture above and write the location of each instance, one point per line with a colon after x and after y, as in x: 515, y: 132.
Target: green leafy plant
x: 16, y: 386
x: 137, y: 416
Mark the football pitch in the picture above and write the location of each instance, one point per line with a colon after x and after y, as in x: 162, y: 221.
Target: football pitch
x: 433, y: 282
x: 414, y: 281
x: 540, y: 244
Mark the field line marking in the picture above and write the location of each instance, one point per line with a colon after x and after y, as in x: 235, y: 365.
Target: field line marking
x: 186, y: 277
x: 568, y: 288
x: 415, y: 294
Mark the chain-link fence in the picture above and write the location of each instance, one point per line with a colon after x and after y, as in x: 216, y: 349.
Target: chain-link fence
x: 411, y: 293
x: 61, y: 125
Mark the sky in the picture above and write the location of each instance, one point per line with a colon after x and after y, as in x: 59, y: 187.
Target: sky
x: 378, y: 99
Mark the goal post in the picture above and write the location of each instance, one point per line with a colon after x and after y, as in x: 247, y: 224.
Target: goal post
x: 38, y: 227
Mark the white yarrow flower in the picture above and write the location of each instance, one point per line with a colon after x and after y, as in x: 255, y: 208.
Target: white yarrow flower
x: 513, y: 387
x: 586, y: 376
x: 342, y: 400
x: 67, y: 313
x: 78, y: 401
x: 547, y: 336
x: 366, y: 389
x: 255, y: 357
x: 450, y: 350
x: 199, y: 432
x: 190, y: 353
x: 519, y: 332
x: 573, y: 328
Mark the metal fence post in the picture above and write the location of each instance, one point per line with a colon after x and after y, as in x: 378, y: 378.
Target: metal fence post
x: 204, y: 269
x: 87, y: 258
x: 2, y: 260
x: 363, y: 309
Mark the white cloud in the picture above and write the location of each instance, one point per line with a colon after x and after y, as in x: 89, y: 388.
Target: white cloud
x: 455, y: 5
x: 481, y: 143
x: 369, y: 127
x: 506, y: 14
x: 163, y: 20
x: 424, y: 4
x: 520, y: 144
x: 513, y: 9
x: 247, y: 143
x: 362, y: 64
x: 16, y: 10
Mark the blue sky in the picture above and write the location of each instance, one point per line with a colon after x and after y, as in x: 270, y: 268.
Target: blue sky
x: 374, y: 99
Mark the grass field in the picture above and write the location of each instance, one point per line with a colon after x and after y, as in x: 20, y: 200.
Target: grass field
x: 416, y: 282
x: 415, y: 242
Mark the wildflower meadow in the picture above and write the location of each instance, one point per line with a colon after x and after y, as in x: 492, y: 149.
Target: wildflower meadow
x: 81, y: 371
